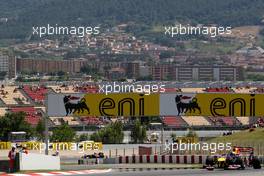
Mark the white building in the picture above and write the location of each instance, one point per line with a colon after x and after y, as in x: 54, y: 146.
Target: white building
x: 4, y: 63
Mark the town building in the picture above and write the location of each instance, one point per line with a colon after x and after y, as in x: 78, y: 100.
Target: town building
x: 50, y: 66
x: 196, y: 73
x: 8, y: 65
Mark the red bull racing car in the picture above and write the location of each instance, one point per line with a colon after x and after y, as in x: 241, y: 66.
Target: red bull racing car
x: 239, y: 158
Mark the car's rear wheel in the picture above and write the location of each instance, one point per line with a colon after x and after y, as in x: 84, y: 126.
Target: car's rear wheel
x: 209, y: 161
x: 256, y: 163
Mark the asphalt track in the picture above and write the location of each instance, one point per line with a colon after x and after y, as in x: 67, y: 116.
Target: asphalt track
x: 185, y: 172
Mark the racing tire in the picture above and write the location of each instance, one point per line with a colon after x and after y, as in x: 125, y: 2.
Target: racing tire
x: 209, y: 161
x: 256, y: 163
x: 241, y: 163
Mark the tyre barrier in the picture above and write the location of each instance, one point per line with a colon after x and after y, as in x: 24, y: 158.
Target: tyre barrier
x: 4, y: 165
x: 261, y: 159
x: 173, y: 159
x: 167, y: 159
x: 90, y: 161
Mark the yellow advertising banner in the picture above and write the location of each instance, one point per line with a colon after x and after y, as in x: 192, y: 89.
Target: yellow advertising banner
x: 5, y: 145
x: 167, y: 104
x: 115, y: 104
x: 125, y: 104
x: 230, y: 104
x: 83, y: 146
x: 212, y: 104
x: 188, y: 140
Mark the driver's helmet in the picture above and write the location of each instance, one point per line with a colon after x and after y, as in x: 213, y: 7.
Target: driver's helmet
x: 232, y: 154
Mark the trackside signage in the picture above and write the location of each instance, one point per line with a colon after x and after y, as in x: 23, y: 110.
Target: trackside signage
x: 134, y: 104
x: 115, y: 104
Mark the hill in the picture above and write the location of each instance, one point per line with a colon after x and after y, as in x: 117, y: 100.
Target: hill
x: 243, y: 138
x: 24, y: 14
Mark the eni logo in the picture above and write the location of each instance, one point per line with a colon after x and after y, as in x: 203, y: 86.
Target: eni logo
x: 220, y: 104
x: 107, y: 104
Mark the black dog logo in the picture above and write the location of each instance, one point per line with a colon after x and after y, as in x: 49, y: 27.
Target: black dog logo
x: 184, y: 107
x: 70, y: 107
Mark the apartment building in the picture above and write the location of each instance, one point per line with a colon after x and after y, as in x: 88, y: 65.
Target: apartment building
x: 8, y: 65
x: 196, y: 73
x: 4, y: 63
x: 50, y: 66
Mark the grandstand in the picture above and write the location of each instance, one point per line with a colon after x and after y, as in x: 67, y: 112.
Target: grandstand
x: 260, y: 122
x: 221, y: 89
x: 196, y: 121
x: 14, y: 99
x: 62, y: 89
x: 32, y: 115
x: 71, y: 121
x: 257, y: 90
x: 86, y: 89
x: 244, y: 120
x: 173, y: 121
x: 75, y: 88
x: 244, y: 89
x: 91, y: 121
x: 224, y: 121
x: 167, y: 90
x: 192, y: 90
x: 2, y: 111
x: 68, y: 120
x: 56, y: 121
x: 36, y: 93
x: 11, y: 95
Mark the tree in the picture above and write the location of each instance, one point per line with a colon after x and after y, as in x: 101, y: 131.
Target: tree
x: 87, y: 69
x: 166, y: 54
x: 64, y: 133
x: 138, y: 133
x: 145, y: 78
x: 261, y: 32
x: 40, y: 128
x: 82, y: 137
x: 112, y: 134
x: 142, y: 13
x: 173, y: 137
x: 191, y: 133
x: 2, y: 75
x: 61, y: 73
x: 255, y: 77
x: 13, y: 122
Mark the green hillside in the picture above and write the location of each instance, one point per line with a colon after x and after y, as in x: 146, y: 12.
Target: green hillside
x: 244, y: 137
x: 27, y: 13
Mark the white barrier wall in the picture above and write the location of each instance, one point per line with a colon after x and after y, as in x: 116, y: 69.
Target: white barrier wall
x: 34, y: 161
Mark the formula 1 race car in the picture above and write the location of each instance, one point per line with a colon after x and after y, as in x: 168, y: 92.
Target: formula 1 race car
x: 224, y: 161
x: 234, y: 160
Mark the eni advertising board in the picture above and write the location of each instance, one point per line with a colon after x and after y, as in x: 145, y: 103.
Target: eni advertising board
x: 134, y: 104
x: 116, y: 104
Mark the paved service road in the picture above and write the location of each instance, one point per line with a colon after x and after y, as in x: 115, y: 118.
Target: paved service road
x: 186, y: 172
